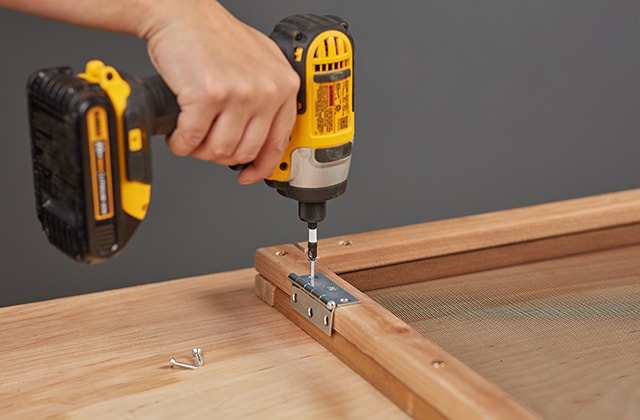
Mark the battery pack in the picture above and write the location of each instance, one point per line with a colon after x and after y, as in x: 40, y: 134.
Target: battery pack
x: 74, y: 177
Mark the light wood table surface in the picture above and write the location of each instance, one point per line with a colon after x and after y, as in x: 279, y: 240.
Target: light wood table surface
x: 106, y: 355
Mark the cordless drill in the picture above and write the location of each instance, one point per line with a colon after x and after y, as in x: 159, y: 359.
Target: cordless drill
x: 90, y: 140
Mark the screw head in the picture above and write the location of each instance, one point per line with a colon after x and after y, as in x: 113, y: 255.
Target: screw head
x: 439, y: 364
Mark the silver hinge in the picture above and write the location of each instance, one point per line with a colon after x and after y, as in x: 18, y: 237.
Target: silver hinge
x: 319, y: 301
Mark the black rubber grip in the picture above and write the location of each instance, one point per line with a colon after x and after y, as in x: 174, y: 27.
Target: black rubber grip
x: 165, y: 108
x: 165, y: 105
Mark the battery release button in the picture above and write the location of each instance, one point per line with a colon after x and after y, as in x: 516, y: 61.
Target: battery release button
x: 135, y: 139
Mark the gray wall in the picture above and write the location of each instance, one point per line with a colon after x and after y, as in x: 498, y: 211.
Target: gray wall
x: 462, y: 107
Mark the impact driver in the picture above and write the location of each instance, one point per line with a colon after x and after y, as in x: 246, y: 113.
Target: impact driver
x: 90, y: 137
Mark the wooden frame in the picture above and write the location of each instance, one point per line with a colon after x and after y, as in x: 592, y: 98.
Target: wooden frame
x: 409, y: 368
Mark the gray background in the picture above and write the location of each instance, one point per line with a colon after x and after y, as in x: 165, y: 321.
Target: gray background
x: 462, y: 107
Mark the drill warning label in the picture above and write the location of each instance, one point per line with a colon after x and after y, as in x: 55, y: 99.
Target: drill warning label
x: 100, y: 160
x: 332, y: 107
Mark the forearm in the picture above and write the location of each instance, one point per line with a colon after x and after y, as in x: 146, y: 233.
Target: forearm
x: 124, y: 16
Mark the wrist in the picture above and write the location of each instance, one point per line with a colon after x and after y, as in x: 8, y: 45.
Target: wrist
x: 162, y: 14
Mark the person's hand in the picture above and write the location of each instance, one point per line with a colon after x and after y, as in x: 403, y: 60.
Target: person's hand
x: 236, y: 90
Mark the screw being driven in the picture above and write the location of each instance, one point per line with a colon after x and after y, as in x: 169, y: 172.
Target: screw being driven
x: 197, y: 353
x: 173, y: 362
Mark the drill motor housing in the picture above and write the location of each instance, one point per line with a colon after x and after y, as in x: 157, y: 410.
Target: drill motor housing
x: 316, y: 163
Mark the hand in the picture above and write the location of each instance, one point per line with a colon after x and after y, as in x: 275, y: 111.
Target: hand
x: 236, y: 90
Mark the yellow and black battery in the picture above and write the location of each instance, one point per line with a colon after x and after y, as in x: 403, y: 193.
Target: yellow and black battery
x: 90, y: 154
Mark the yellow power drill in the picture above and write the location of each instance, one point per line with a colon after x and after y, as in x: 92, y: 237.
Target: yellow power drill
x: 90, y: 140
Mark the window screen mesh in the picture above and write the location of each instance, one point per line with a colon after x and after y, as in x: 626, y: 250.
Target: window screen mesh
x: 561, y: 336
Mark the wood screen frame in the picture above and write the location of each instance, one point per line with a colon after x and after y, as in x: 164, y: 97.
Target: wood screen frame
x: 410, y: 369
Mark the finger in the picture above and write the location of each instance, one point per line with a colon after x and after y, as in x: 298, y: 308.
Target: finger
x: 253, y: 139
x: 222, y: 140
x: 192, y: 127
x: 271, y: 152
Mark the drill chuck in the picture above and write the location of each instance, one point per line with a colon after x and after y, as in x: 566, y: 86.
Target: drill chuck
x: 312, y: 212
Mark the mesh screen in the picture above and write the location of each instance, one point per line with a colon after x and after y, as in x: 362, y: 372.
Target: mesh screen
x: 561, y: 336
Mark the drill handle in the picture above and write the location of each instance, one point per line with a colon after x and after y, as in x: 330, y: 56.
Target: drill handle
x: 152, y: 100
x: 165, y: 105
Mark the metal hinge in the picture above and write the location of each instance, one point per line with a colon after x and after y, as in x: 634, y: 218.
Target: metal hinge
x: 319, y: 301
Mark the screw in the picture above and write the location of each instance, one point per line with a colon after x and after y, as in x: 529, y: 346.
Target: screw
x: 438, y: 364
x: 173, y: 362
x: 197, y: 353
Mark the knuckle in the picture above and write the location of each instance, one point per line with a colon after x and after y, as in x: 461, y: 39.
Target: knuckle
x: 270, y: 89
x: 214, y: 93
x: 184, y: 142
x: 290, y: 81
x: 294, y: 82
x: 244, y: 93
x: 220, y: 154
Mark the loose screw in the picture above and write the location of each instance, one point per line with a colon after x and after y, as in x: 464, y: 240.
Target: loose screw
x: 173, y: 362
x: 197, y: 353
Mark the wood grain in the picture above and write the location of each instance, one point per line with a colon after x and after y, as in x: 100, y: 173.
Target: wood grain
x: 442, y: 249
x: 389, y: 385
x: 482, y: 259
x: 399, y: 245
x: 454, y: 391
x: 105, y: 355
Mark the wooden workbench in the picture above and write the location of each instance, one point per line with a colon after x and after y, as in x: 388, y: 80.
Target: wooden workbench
x: 106, y: 355
x: 522, y: 313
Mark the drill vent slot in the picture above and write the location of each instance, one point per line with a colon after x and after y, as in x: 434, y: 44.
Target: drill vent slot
x: 105, y: 237
x: 61, y: 234
x: 332, y: 54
